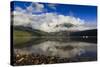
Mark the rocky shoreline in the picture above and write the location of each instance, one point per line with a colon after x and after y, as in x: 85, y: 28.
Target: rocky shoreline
x: 35, y: 59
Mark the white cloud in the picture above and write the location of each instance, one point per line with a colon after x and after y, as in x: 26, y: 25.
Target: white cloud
x: 19, y: 9
x: 48, y: 22
x: 21, y: 18
x: 32, y: 8
x: 35, y: 8
x: 52, y: 6
x: 39, y: 7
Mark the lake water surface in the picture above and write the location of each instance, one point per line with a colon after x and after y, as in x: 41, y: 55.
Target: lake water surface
x: 62, y: 48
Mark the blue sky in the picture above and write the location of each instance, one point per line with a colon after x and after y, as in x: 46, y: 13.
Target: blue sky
x: 88, y: 13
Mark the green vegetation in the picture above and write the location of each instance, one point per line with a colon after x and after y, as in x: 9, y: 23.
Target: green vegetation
x: 23, y: 35
x: 20, y: 37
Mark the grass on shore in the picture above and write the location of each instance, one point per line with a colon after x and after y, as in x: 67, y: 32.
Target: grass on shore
x: 20, y: 37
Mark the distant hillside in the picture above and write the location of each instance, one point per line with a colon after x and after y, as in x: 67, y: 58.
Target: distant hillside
x: 87, y: 36
x: 39, y: 32
x: 29, y: 29
x: 92, y: 32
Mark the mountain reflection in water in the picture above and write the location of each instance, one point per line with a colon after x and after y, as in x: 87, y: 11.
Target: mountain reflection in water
x: 61, y: 47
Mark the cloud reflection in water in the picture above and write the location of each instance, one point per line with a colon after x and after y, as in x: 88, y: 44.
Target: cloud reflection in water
x: 58, y: 49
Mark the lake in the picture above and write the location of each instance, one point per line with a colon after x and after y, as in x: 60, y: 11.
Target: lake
x: 69, y: 49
